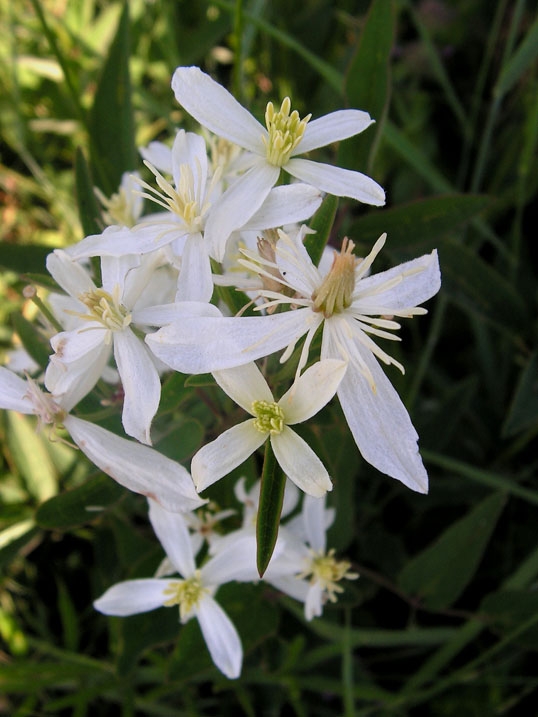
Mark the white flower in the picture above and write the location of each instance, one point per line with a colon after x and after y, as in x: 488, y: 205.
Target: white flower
x: 271, y: 420
x: 105, y: 316
x: 123, y: 208
x: 193, y: 593
x: 351, y: 307
x: 187, y: 204
x: 272, y: 148
x: 313, y: 561
x: 138, y: 468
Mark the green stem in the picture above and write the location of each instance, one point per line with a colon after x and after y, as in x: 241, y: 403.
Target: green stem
x: 237, y: 76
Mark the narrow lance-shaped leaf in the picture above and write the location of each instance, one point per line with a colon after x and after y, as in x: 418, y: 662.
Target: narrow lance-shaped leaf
x: 441, y: 572
x: 272, y: 488
x: 321, y: 223
x: 112, y: 137
x: 88, y: 207
x: 368, y: 83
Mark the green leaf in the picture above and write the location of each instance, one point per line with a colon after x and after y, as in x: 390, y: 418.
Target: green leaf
x: 415, y: 228
x: 441, y: 572
x: 88, y: 208
x: 186, y: 437
x: 14, y: 538
x: 30, y: 455
x: 368, y: 83
x: 33, y: 342
x: 507, y: 609
x: 523, y: 412
x: 476, y: 286
x: 519, y: 63
x: 80, y: 505
x: 321, y: 223
x: 272, y: 488
x: 23, y: 258
x: 137, y: 633
x: 112, y: 136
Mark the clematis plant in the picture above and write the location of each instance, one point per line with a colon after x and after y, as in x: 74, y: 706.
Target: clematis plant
x: 271, y: 420
x: 271, y: 149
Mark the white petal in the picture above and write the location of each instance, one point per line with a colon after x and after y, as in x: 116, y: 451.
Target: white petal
x: 12, y: 391
x: 338, y: 181
x: 311, y: 391
x: 244, y: 385
x: 169, y: 313
x: 195, y: 282
x: 314, y: 602
x: 215, y: 108
x: 221, y: 637
x: 189, y: 148
x: 141, y: 384
x: 237, y: 205
x: 113, y: 241
x: 73, y: 379
x: 132, y: 597
x: 234, y: 560
x: 295, y: 264
x: 420, y: 280
x: 206, y: 344
x: 381, y: 426
x: 300, y: 463
x: 174, y: 536
x: 285, y: 205
x: 290, y: 585
x: 115, y: 269
x: 136, y: 467
x: 229, y: 450
x: 68, y: 274
x: 314, y: 520
x: 159, y: 155
x: 332, y: 128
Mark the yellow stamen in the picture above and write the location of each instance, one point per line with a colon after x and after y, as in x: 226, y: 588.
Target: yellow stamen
x: 328, y: 571
x: 185, y: 593
x: 269, y: 417
x: 105, y: 308
x: 336, y: 292
x: 285, y: 132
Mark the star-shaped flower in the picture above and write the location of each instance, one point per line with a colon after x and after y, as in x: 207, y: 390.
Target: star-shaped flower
x: 273, y: 148
x: 271, y: 420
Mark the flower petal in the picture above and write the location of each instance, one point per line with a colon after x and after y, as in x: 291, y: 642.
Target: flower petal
x: 234, y: 560
x: 380, y: 424
x: 420, y: 280
x: 189, y: 149
x: 311, y: 391
x: 332, y: 128
x: 169, y: 313
x: 215, y: 108
x: 195, y: 282
x: 237, y: 205
x: 229, y: 450
x: 244, y: 385
x: 141, y: 384
x: 300, y: 463
x: 285, y: 205
x: 174, y: 536
x: 206, y: 344
x: 137, y: 467
x: 13, y: 389
x: 68, y: 274
x: 221, y: 637
x: 132, y: 596
x: 315, y: 523
x: 338, y: 181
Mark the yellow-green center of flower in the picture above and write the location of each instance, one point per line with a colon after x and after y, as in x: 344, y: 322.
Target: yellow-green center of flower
x: 106, y: 309
x: 328, y: 571
x: 285, y: 132
x: 336, y: 292
x: 269, y: 417
x: 118, y: 208
x: 185, y: 593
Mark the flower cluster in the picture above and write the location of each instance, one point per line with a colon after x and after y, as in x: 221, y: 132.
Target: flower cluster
x: 140, y: 300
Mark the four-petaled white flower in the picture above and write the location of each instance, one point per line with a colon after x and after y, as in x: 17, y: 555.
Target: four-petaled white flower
x: 271, y: 420
x: 192, y: 593
x: 272, y: 148
x: 351, y: 307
